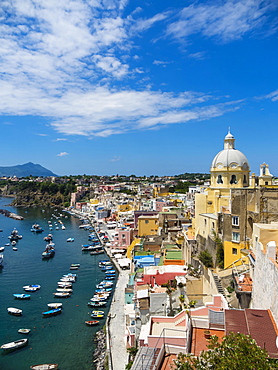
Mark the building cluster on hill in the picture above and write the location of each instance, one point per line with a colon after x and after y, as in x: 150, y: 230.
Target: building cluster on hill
x: 200, y: 263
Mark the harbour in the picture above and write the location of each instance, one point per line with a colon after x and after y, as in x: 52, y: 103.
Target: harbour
x: 65, y: 338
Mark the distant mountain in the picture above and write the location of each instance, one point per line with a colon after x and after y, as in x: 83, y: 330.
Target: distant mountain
x: 27, y: 169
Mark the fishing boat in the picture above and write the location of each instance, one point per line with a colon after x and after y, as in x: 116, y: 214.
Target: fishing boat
x: 32, y: 287
x: 91, y: 322
x: 24, y: 331
x: 16, y: 344
x: 97, y: 316
x: 70, y: 240
x: 22, y: 296
x: 14, y: 311
x: 61, y: 294
x: 68, y: 279
x: 44, y: 367
x: 48, y: 238
x: 55, y: 305
x: 52, y: 312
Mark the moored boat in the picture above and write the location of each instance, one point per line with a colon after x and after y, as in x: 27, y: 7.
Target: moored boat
x: 52, y: 312
x: 14, y: 311
x: 44, y: 367
x: 31, y: 287
x: 55, y: 305
x: 91, y: 322
x: 1, y: 260
x: 96, y: 303
x: 24, y: 331
x: 61, y: 294
x: 16, y: 344
x: 22, y: 296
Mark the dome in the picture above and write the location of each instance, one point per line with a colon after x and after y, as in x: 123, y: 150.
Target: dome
x: 230, y: 158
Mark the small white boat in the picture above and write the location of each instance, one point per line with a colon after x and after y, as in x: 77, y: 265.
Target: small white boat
x: 64, y: 290
x: 31, y: 288
x: 70, y: 240
x: 67, y: 279
x: 61, y: 295
x: 2, y: 249
x: 15, y: 248
x: 55, y: 305
x: 15, y: 344
x: 64, y: 284
x: 14, y: 311
x: 24, y: 331
x: 44, y: 367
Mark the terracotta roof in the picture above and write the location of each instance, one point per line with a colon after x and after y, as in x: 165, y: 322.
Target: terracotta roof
x: 259, y: 324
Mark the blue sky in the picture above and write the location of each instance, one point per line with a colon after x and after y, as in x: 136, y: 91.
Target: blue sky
x: 137, y: 87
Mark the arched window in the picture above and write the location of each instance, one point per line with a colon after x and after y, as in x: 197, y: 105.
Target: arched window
x: 219, y: 179
x: 233, y: 180
x: 244, y: 179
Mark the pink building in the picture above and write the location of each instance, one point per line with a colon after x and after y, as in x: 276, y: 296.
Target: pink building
x: 122, y: 238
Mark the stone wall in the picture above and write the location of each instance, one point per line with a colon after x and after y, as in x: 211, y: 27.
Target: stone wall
x: 265, y: 283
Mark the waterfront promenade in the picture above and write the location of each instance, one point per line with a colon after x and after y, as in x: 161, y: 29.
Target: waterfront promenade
x: 116, y: 346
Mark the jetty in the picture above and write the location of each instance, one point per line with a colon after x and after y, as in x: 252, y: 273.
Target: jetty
x: 9, y: 214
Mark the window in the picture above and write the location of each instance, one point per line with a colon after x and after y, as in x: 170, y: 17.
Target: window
x: 244, y: 179
x: 219, y: 179
x: 213, y: 225
x: 146, y: 221
x: 235, y: 237
x: 235, y: 220
x: 234, y: 250
x: 233, y: 180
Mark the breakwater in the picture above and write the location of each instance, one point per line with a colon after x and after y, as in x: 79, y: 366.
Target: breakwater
x: 9, y: 214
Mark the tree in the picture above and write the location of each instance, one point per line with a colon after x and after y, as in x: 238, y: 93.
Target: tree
x: 206, y: 258
x: 236, y: 351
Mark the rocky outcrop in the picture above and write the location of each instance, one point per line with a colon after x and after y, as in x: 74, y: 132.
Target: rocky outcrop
x: 11, y: 214
x: 99, y: 355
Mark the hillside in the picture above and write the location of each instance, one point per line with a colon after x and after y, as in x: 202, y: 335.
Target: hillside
x: 27, y: 169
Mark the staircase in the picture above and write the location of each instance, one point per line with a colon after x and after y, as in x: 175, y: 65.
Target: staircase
x: 219, y: 285
x: 145, y: 358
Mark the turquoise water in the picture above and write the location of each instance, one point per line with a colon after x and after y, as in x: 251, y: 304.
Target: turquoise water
x: 62, y: 339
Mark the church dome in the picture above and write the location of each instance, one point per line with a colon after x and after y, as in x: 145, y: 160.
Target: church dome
x: 229, y: 156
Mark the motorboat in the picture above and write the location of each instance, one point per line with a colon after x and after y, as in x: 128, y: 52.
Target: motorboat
x: 14, y: 311
x: 52, y: 312
x: 55, y: 305
x: 36, y: 228
x: 2, y: 249
x: 16, y: 344
x: 64, y: 290
x: 32, y: 287
x: 68, y: 279
x: 91, y: 322
x: 24, y: 331
x: 97, y: 316
x: 44, y: 367
x: 70, y: 240
x: 22, y: 296
x: 48, y: 252
x: 64, y: 284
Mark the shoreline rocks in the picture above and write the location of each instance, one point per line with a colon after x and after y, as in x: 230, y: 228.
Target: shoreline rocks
x: 99, y: 355
x: 11, y: 215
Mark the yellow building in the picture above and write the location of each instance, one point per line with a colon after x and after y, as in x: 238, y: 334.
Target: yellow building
x: 213, y: 208
x: 147, y: 225
x: 124, y: 207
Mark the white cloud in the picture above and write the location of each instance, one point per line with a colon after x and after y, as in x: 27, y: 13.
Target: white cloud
x: 227, y: 20
x: 60, y: 139
x: 273, y: 96
x: 63, y: 59
x: 62, y: 154
x: 115, y: 159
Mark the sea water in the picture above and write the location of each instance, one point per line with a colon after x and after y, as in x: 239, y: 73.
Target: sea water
x: 62, y: 339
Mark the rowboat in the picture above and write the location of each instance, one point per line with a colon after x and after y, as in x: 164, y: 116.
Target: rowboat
x: 91, y: 322
x: 44, y: 367
x: 64, y: 290
x: 22, y: 296
x: 64, y: 284
x: 96, y: 304
x: 14, y: 311
x: 53, y: 312
x: 14, y: 345
x: 24, y: 331
x: 55, y: 305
